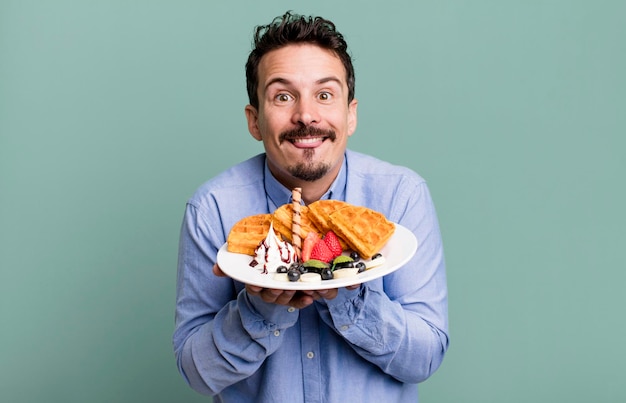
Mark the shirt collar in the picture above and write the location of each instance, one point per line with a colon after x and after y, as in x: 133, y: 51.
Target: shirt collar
x: 277, y: 194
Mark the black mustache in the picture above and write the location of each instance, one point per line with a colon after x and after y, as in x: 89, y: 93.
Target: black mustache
x: 306, y: 131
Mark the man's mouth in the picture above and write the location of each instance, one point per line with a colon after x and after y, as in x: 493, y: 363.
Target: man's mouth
x: 308, y: 142
x: 307, y: 137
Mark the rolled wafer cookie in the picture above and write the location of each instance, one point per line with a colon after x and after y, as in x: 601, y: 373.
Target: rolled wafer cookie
x: 296, y: 196
x: 282, y: 218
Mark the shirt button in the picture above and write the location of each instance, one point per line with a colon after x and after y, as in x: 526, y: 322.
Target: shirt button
x: 310, y: 354
x: 276, y: 333
x: 291, y: 309
x: 344, y: 328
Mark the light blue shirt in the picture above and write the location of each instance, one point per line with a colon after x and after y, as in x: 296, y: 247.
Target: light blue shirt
x: 372, y: 344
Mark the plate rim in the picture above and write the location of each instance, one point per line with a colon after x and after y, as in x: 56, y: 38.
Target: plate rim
x: 364, y: 277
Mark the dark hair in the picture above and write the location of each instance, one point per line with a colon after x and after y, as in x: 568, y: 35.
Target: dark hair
x: 293, y: 28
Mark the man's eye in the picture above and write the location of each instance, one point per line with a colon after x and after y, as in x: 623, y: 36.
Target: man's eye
x: 324, y: 96
x: 283, y: 97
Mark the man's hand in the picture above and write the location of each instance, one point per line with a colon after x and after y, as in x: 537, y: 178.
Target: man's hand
x: 296, y: 299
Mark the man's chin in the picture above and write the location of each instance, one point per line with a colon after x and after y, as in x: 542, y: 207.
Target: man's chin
x: 309, y: 172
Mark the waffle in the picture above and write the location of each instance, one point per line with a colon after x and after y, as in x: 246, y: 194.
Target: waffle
x: 248, y: 233
x: 321, y: 209
x: 319, y: 212
x: 365, y: 230
x: 283, y: 218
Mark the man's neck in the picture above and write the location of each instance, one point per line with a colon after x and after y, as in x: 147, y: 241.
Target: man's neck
x: 311, y: 191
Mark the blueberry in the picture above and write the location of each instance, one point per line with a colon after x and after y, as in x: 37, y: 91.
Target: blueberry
x: 376, y: 256
x: 293, y: 275
x: 327, y: 274
x: 360, y: 266
x: 281, y: 269
x: 355, y: 256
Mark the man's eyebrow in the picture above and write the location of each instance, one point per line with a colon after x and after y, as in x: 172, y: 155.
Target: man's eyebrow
x: 281, y: 80
x: 278, y: 80
x: 329, y: 79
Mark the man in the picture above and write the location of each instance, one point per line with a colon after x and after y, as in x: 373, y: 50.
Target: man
x: 367, y: 343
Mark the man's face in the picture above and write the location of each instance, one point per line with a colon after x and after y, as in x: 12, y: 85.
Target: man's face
x: 304, y: 118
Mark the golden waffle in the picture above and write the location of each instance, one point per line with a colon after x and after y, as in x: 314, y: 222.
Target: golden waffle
x: 248, y: 233
x: 319, y: 212
x: 283, y: 218
x: 365, y: 230
x: 321, y: 209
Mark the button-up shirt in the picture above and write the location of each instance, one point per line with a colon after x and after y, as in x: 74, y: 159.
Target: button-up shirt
x: 371, y: 344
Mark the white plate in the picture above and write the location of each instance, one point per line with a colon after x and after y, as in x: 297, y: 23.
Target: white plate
x: 397, y: 251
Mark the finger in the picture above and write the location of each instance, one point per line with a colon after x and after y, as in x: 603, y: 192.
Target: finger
x: 285, y: 297
x: 217, y: 271
x: 325, y: 294
x: 271, y: 296
x: 328, y: 294
x: 301, y: 301
x: 253, y: 289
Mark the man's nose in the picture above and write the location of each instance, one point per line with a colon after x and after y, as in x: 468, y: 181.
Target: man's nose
x: 306, y: 112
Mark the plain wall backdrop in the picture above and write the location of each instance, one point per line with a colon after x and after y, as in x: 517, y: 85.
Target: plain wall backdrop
x: 113, y: 112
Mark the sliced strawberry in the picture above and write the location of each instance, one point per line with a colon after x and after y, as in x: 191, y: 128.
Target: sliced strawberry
x: 321, y: 252
x: 307, y: 245
x: 333, y: 244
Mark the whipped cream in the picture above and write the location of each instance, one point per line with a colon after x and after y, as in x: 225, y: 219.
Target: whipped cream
x: 272, y: 253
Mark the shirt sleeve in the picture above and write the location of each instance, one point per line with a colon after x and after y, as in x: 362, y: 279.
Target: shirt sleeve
x: 222, y: 334
x: 400, y: 322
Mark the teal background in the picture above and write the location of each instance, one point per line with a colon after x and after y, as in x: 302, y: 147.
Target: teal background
x: 113, y: 112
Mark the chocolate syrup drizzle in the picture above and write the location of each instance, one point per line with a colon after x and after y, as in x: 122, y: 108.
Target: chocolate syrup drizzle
x: 285, y: 255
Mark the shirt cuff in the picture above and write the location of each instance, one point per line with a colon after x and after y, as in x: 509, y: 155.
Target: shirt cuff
x: 261, y: 318
x: 347, y: 305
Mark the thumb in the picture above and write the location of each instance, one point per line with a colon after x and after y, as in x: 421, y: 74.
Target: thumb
x: 217, y: 271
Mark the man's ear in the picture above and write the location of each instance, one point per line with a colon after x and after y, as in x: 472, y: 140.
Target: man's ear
x: 352, y: 118
x: 252, y: 115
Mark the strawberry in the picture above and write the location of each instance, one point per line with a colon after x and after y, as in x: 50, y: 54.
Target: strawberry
x: 307, y: 245
x: 333, y: 244
x: 321, y: 252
